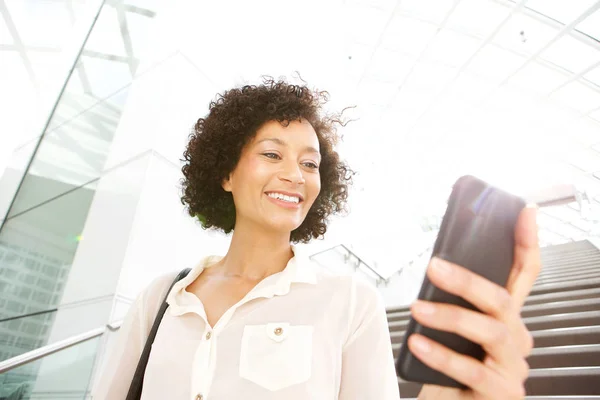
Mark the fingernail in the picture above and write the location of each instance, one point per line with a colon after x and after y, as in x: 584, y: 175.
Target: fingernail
x: 533, y: 209
x: 441, y: 267
x: 423, y: 308
x: 420, y: 345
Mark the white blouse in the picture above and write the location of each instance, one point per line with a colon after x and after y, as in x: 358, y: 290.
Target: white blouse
x: 299, y: 334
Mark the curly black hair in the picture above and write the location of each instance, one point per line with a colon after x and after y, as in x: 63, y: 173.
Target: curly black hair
x: 235, y: 116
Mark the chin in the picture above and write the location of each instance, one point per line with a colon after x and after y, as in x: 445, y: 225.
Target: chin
x: 285, y: 226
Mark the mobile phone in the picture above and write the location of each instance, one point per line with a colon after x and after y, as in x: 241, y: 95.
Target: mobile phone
x: 478, y: 233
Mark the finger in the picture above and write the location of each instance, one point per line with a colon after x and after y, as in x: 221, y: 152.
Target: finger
x: 484, y: 294
x: 524, y: 339
x: 493, y: 335
x: 522, y: 374
x: 527, y: 259
x: 487, y: 296
x: 466, y: 370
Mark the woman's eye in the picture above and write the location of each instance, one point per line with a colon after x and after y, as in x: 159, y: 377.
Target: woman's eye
x: 311, y: 165
x: 273, y: 156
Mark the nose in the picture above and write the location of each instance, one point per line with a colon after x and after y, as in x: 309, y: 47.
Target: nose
x: 292, y: 173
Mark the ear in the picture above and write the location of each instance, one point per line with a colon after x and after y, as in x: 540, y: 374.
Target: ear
x: 226, y: 184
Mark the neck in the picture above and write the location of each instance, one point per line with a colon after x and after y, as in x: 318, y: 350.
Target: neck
x: 255, y: 254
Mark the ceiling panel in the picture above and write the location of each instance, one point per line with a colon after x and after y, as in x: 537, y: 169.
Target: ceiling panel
x: 470, y: 89
x: 495, y: 63
x: 562, y: 11
x: 588, y: 183
x: 586, y: 131
x: 429, y: 10
x: 375, y: 92
x: 431, y: 77
x: 594, y: 76
x: 539, y: 78
x: 591, y: 25
x: 382, y: 5
x: 390, y: 66
x: 571, y: 54
x: 364, y: 24
x: 359, y: 56
x: 578, y: 96
x: 525, y: 34
x: 451, y: 48
x: 408, y: 35
x: 411, y: 102
x: 585, y: 225
x: 566, y: 214
x: 478, y: 17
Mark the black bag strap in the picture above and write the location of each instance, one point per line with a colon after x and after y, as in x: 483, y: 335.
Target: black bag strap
x: 135, y: 389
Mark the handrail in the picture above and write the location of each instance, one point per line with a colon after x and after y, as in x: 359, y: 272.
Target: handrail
x: 79, y: 303
x: 28, y: 315
x: 556, y: 196
x: 44, y: 351
x: 380, y: 278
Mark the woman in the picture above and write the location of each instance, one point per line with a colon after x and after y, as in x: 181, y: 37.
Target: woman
x: 263, y: 322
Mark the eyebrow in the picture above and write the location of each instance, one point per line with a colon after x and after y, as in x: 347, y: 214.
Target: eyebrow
x: 309, y: 149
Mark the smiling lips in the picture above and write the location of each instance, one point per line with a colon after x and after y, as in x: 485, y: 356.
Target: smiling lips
x: 284, y: 199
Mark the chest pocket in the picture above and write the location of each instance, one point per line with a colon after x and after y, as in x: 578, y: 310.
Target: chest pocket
x: 276, y: 355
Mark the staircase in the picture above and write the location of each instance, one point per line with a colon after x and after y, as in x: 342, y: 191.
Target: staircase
x: 563, y: 314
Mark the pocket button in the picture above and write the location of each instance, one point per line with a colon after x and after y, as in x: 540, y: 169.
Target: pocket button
x: 278, y: 331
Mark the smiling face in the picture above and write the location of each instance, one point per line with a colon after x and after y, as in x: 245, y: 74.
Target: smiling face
x: 276, y: 179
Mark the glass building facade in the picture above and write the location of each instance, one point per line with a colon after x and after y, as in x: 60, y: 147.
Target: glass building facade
x: 51, y: 178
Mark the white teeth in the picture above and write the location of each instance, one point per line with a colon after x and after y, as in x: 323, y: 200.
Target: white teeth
x: 290, y: 199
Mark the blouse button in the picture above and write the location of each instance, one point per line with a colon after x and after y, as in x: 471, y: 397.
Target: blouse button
x: 208, y: 335
x: 199, y: 397
x: 278, y: 331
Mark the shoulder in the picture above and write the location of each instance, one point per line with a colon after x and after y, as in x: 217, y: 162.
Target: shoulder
x: 347, y: 281
x: 357, y: 291
x: 159, y: 286
x: 359, y: 304
x: 152, y: 296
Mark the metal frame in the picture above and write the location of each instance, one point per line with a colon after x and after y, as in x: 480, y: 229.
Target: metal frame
x: 72, y: 64
x: 74, y: 50
x: 71, y: 305
x: 378, y: 277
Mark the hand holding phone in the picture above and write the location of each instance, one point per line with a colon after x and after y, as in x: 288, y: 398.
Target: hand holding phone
x: 475, y: 336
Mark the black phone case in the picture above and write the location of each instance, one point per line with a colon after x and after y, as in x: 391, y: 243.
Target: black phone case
x: 477, y: 232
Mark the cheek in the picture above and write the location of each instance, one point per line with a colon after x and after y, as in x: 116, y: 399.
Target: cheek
x: 250, y: 173
x: 252, y: 162
x: 257, y: 169
x: 313, y: 186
